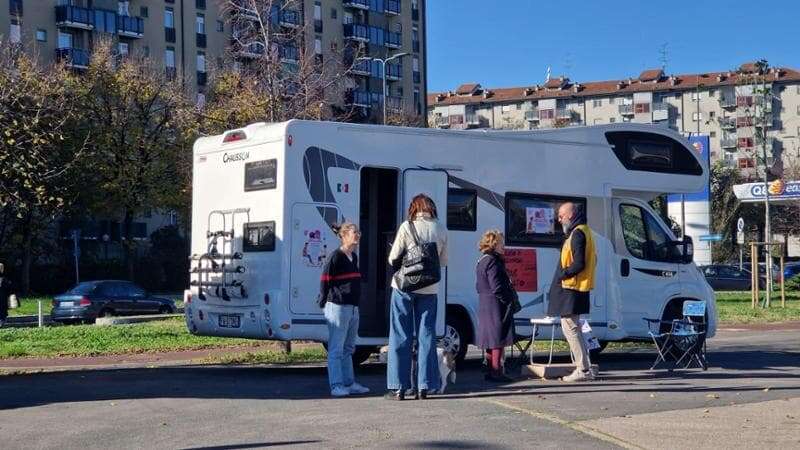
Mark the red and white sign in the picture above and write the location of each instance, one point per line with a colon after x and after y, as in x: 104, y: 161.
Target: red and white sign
x: 521, y: 265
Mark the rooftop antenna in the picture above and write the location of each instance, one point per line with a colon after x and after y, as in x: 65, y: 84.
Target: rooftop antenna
x: 547, y: 75
x: 568, y: 64
x: 663, y: 56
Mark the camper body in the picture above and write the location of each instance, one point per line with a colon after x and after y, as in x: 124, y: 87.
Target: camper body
x: 264, y: 197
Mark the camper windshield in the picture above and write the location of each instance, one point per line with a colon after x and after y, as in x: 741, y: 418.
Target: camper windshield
x: 644, y: 237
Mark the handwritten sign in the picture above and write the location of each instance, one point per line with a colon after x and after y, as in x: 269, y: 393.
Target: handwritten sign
x: 521, y: 265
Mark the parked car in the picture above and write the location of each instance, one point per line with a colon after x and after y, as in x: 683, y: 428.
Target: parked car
x: 791, y: 270
x: 725, y: 277
x: 762, y: 270
x: 92, y: 299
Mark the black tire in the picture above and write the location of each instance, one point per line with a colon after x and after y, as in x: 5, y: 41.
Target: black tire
x: 595, y: 353
x: 457, y: 336
x: 165, y: 310
x: 106, y: 312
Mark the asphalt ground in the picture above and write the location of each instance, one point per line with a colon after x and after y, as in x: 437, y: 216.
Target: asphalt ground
x: 749, y: 397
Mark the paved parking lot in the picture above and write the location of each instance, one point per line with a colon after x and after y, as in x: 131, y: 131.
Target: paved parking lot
x: 750, y: 397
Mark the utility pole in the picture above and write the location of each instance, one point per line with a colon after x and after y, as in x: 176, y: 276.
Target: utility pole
x: 383, y: 62
x: 761, y: 119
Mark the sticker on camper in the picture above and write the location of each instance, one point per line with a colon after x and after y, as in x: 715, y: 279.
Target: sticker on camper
x: 521, y: 265
x: 540, y: 220
x: 315, y: 249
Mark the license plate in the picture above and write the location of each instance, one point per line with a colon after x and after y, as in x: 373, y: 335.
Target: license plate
x: 228, y: 321
x: 66, y: 304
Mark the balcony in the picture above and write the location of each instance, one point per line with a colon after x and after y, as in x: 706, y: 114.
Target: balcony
x: 75, y: 58
x: 744, y: 122
x: 660, y: 111
x: 74, y: 17
x: 626, y: 110
x: 200, y: 39
x: 565, y: 113
x: 289, y: 18
x: 394, y: 104
x: 251, y: 50
x: 473, y: 121
x: 394, y: 72
x: 728, y: 142
x: 357, y: 4
x: 441, y: 122
x: 744, y: 101
x: 532, y: 115
x: 356, y: 32
x: 288, y: 54
x: 393, y: 40
x: 727, y: 123
x: 358, y: 98
x: 132, y: 27
x: 727, y: 102
x: 361, y: 67
x: 391, y: 7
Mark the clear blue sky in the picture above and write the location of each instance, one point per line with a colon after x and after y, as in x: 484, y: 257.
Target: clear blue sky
x: 501, y: 43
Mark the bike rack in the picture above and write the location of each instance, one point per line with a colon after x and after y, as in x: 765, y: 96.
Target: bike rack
x: 220, y: 258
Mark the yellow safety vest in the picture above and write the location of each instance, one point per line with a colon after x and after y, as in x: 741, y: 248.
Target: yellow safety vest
x: 584, y: 280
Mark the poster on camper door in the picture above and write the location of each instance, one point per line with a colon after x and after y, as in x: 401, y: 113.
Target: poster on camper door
x: 521, y: 266
x: 539, y: 220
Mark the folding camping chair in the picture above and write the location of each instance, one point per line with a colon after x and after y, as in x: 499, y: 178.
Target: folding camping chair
x: 685, y: 340
x: 522, y: 344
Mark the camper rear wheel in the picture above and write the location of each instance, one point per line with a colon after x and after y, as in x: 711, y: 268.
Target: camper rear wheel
x: 457, y: 335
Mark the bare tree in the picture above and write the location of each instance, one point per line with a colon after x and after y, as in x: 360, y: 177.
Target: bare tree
x: 276, y: 75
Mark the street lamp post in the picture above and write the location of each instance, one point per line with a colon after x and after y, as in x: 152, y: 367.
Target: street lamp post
x: 383, y: 62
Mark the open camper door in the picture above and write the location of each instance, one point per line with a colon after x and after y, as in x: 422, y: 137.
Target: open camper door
x: 432, y: 183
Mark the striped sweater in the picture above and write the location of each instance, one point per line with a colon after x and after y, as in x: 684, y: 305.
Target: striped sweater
x: 340, y: 282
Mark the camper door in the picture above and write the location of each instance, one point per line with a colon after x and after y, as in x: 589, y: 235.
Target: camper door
x: 432, y: 183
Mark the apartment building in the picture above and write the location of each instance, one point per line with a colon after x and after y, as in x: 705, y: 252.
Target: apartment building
x: 726, y: 106
x: 189, y: 36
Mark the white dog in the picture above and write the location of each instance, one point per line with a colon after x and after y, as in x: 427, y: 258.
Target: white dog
x: 447, y: 365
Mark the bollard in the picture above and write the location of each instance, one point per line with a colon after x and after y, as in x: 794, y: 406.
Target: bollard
x: 41, y: 319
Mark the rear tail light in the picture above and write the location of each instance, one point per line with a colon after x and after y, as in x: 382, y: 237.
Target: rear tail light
x: 85, y: 302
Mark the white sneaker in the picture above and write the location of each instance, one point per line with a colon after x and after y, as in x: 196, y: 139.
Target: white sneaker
x: 578, y: 375
x: 357, y: 388
x: 340, y: 391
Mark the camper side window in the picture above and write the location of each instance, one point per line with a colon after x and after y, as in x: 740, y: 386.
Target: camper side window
x: 532, y: 220
x: 462, y: 209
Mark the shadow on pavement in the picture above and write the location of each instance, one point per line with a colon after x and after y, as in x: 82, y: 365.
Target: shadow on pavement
x: 252, y: 445
x: 619, y: 372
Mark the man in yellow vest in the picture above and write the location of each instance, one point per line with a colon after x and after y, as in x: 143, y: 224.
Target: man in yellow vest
x: 572, y: 282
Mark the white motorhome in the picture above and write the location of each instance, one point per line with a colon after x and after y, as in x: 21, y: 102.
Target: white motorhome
x: 264, y: 197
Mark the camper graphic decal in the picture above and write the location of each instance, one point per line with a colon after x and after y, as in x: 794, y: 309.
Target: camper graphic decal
x: 315, y: 249
x: 316, y: 163
x: 492, y: 198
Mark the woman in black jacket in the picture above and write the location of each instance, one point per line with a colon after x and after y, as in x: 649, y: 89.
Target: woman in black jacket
x: 340, y: 292
x: 496, y: 297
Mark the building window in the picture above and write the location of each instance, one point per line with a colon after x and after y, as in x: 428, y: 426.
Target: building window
x: 144, y: 12
x: 15, y: 34
x: 641, y: 108
x: 519, y: 106
x: 506, y: 108
x: 532, y: 219
x: 64, y: 40
x: 169, y: 18
x: 417, y: 105
x: 696, y: 116
x: 711, y: 114
x: 611, y: 101
x: 612, y: 119
x: 462, y: 209
x: 598, y: 121
x: 41, y: 35
x: 220, y: 26
x: 597, y: 103
x: 200, y: 4
x: 123, y: 49
x: 317, y: 46
x: 201, y: 62
x: 169, y: 57
x: 712, y: 93
x: 695, y: 96
x: 200, y: 23
x: 712, y: 134
x: 334, y: 14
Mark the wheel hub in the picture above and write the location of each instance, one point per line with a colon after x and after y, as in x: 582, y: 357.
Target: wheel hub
x: 451, y: 342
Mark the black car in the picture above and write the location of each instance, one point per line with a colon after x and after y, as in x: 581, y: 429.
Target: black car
x: 724, y: 277
x: 92, y: 299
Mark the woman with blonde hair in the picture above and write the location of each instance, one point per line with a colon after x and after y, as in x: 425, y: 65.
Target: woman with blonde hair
x: 340, y: 292
x: 496, y: 299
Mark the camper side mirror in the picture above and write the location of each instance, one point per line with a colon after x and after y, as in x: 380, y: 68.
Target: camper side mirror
x: 685, y: 250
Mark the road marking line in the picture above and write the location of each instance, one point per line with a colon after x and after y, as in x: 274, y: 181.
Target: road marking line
x: 576, y: 426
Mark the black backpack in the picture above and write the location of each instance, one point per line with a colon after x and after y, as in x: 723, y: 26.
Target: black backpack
x: 420, y: 267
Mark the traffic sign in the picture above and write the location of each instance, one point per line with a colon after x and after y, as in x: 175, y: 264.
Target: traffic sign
x: 710, y: 237
x: 740, y: 225
x: 740, y: 237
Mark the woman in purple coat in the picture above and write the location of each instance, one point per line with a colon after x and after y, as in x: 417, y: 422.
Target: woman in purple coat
x: 495, y: 301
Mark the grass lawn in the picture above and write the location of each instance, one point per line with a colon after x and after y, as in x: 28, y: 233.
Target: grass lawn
x: 91, y: 340
x: 29, y: 306
x: 734, y: 308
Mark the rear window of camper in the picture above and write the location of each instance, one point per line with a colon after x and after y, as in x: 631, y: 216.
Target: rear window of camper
x: 532, y: 220
x: 259, y: 237
x: 260, y: 175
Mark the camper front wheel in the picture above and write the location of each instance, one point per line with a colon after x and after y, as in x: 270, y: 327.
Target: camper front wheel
x: 456, y: 336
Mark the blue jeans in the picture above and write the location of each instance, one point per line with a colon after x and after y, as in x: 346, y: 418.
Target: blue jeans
x: 342, y: 332
x: 412, y: 312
